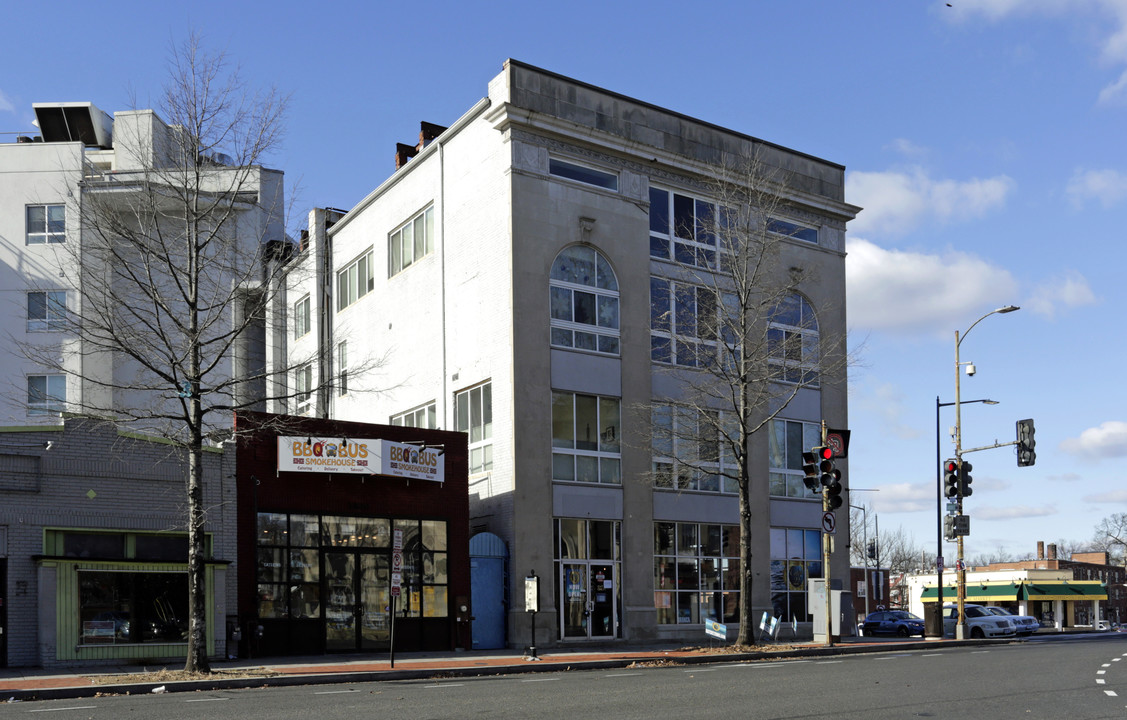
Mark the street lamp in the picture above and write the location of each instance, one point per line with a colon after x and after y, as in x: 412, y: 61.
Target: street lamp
x: 961, y: 623
x: 939, y: 503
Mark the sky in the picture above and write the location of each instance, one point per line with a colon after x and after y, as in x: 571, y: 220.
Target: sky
x: 986, y: 141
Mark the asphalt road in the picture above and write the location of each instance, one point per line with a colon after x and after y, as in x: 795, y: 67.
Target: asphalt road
x: 1074, y: 677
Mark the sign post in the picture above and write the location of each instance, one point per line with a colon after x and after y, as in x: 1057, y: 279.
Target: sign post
x: 396, y: 580
x: 531, y: 606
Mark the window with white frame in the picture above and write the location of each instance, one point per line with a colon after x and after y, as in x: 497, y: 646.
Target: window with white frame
x: 687, y: 321
x: 46, y: 310
x: 690, y: 451
x: 473, y: 414
x: 584, y: 301
x: 46, y: 394
x: 342, y: 368
x: 792, y: 341
x: 302, y: 318
x: 303, y: 388
x: 696, y: 572
x: 355, y: 281
x: 792, y: 230
x: 683, y: 228
x: 421, y: 417
x: 46, y: 224
x: 796, y: 556
x: 586, y: 438
x: 787, y: 440
x: 410, y: 242
x: 583, y: 174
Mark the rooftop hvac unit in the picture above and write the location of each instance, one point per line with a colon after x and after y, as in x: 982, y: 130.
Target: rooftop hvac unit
x: 74, y: 121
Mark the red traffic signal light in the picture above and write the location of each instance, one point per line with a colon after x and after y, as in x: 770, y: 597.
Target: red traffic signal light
x: 950, y: 478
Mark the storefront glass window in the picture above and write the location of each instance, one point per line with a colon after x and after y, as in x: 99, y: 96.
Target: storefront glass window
x: 132, y: 607
x: 696, y: 572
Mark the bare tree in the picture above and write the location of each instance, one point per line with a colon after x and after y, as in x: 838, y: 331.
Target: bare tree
x: 1111, y: 536
x: 173, y: 273
x: 739, y: 340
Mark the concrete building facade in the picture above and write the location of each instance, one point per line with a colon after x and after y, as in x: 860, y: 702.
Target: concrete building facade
x: 508, y: 281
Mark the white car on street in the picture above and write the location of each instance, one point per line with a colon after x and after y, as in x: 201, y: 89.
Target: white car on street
x: 981, y: 623
x: 1024, y: 624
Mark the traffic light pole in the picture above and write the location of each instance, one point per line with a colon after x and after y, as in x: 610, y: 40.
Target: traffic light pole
x: 961, y: 571
x: 826, y: 540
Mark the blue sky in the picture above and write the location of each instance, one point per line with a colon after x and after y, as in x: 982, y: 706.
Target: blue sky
x: 986, y: 140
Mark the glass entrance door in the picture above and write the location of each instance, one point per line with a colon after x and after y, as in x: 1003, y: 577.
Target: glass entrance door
x: 357, y: 595
x: 601, y: 601
x: 575, y: 613
x: 589, y: 608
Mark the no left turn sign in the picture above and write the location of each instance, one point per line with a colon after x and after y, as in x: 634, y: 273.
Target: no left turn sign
x: 829, y: 523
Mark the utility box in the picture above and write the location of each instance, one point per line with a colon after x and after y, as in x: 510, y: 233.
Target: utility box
x: 839, y: 599
x: 933, y: 620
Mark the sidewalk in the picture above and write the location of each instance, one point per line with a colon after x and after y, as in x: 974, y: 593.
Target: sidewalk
x: 21, y: 684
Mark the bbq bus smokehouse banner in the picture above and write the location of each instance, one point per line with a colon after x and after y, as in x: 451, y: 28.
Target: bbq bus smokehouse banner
x: 360, y: 457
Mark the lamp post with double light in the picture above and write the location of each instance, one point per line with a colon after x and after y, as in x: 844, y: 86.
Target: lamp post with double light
x: 961, y: 620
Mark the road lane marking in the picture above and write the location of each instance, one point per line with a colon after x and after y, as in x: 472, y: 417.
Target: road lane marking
x: 332, y: 692
x: 78, y: 707
x: 444, y: 685
x: 207, y: 700
x: 931, y: 655
x: 622, y: 674
x: 551, y: 679
x: 1110, y: 693
x: 1101, y: 681
x: 1100, y: 672
x: 697, y: 670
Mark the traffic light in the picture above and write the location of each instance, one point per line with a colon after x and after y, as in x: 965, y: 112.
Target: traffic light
x: 810, y: 470
x: 830, y: 478
x: 949, y: 528
x: 871, y: 551
x: 950, y: 478
x: 965, y: 479
x: 1025, y: 443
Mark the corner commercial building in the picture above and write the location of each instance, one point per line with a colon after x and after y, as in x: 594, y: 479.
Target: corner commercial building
x: 511, y: 278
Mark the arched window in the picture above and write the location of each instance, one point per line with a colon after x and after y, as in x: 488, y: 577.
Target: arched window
x: 584, y: 299
x: 792, y: 341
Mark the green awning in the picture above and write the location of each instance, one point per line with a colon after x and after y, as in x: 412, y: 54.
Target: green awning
x: 1064, y: 591
x: 1012, y: 592
x: 976, y: 592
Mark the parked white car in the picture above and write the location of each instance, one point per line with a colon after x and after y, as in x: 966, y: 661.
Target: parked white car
x: 981, y: 623
x: 1023, y: 624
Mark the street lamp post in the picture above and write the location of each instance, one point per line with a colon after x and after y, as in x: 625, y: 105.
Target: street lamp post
x: 961, y: 624
x: 865, y: 548
x: 939, y: 503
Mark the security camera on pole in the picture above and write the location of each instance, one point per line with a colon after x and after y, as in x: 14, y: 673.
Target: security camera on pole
x: 961, y: 468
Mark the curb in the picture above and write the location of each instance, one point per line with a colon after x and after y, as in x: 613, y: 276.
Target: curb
x: 501, y: 668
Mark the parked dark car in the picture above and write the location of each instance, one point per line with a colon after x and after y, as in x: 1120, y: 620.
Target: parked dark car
x: 893, y: 622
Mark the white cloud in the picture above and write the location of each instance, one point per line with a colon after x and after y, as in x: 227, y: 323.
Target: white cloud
x: 896, y: 202
x: 905, y: 497
x: 1112, y: 35
x: 1113, y: 496
x: 6, y: 104
x: 1109, y: 187
x: 902, y: 290
x: 1107, y: 440
x: 1013, y: 512
x: 1063, y: 292
x: 907, y: 148
x: 886, y: 402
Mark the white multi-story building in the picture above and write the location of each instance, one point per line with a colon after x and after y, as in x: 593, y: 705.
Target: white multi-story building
x: 513, y: 279
x: 93, y: 548
x: 49, y: 183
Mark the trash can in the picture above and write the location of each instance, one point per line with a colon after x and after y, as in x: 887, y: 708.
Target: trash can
x: 933, y: 620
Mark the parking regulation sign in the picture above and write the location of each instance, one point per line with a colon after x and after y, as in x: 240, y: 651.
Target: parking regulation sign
x: 829, y: 523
